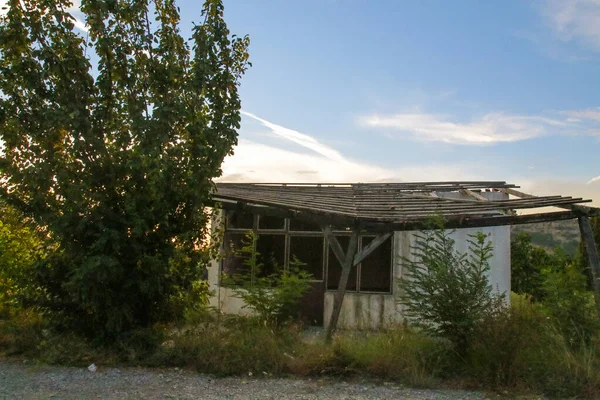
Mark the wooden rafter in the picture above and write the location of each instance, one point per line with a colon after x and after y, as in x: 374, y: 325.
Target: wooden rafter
x: 474, y: 195
x: 588, y: 211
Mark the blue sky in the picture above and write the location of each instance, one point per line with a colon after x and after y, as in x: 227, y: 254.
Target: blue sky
x: 369, y: 90
x: 428, y: 89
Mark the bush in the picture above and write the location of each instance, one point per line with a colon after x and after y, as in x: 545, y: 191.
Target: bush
x: 521, y: 348
x: 570, y: 304
x: 447, y: 292
x: 504, y: 341
x: 21, y: 249
x: 275, y: 297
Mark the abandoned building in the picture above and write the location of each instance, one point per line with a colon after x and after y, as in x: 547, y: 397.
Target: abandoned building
x: 353, y: 237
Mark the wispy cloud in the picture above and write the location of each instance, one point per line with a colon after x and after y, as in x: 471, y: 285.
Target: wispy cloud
x: 263, y: 162
x: 491, y: 128
x: 596, y: 179
x: 574, y: 20
x: 587, y: 113
x: 298, y: 138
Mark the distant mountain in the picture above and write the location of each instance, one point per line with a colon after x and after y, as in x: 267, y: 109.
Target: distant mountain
x: 550, y: 235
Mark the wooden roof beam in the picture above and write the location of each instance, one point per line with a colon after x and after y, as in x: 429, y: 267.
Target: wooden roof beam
x: 583, y: 210
x: 483, y: 198
x: 474, y: 195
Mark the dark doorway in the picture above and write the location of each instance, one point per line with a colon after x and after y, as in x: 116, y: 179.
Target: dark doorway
x: 312, y: 305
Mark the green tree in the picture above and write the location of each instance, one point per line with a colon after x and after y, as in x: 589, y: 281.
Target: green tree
x: 527, y: 264
x: 445, y: 291
x: 116, y: 160
x: 21, y: 248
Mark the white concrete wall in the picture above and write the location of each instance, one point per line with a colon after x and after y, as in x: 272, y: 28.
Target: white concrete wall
x: 223, y: 298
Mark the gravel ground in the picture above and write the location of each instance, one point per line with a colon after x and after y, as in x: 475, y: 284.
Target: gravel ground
x: 22, y: 381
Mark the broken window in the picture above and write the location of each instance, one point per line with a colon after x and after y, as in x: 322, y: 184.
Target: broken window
x: 334, y: 268
x: 303, y: 226
x: 309, y: 250
x: 232, y: 264
x: 271, y: 222
x: 376, y: 269
x: 240, y: 220
x: 272, y: 253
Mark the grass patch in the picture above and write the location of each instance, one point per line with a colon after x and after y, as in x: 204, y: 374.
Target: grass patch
x: 401, y: 354
x: 233, y: 346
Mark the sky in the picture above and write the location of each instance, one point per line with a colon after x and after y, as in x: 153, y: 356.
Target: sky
x: 361, y: 90
x: 391, y: 90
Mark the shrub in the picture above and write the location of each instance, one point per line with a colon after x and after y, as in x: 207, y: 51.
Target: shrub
x: 274, y: 297
x: 504, y: 341
x: 570, y: 304
x: 447, y: 292
x: 522, y: 348
x: 21, y: 249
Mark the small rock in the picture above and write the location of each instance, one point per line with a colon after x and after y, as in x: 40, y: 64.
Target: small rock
x: 92, y: 368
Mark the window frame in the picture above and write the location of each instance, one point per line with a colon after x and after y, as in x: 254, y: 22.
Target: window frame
x: 288, y: 233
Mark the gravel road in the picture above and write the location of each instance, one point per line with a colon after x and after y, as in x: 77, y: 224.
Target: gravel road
x: 23, y: 381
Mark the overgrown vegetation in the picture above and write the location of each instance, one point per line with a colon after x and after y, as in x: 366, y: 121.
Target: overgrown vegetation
x: 115, y: 160
x: 22, y: 247
x: 104, y: 179
x: 447, y: 292
x: 273, y: 297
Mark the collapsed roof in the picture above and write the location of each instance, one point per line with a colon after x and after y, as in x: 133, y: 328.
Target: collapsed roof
x: 400, y: 206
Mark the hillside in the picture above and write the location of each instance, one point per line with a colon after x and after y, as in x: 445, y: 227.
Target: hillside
x: 552, y: 234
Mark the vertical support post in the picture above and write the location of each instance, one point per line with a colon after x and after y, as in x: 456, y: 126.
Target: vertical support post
x: 339, y: 296
x: 587, y: 235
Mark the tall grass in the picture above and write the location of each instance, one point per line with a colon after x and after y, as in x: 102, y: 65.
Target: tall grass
x: 519, y: 350
x: 232, y: 346
x: 399, y: 354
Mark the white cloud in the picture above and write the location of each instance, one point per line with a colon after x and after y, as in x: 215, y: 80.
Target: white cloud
x: 491, y: 128
x: 264, y: 162
x: 574, y: 20
x: 256, y: 162
x: 587, y: 113
x: 596, y: 179
x: 298, y: 138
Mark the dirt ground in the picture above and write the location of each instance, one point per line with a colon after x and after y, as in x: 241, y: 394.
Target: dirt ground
x: 24, y: 381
